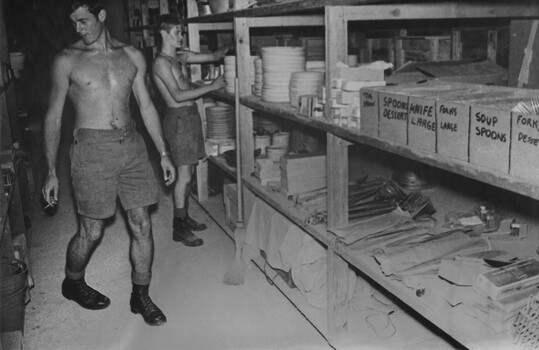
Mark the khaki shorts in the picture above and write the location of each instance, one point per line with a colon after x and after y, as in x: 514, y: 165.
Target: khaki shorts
x: 111, y: 164
x: 183, y: 131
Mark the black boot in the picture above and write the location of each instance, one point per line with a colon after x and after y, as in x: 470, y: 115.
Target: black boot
x: 142, y: 304
x: 182, y: 233
x: 84, y: 295
x: 195, y: 225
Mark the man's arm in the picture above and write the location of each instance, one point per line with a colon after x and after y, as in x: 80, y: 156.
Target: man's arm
x: 149, y: 114
x: 60, y: 71
x: 162, y: 71
x: 198, y: 57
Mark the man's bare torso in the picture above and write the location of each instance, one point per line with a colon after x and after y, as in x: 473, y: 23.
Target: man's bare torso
x: 179, y: 71
x: 100, y: 85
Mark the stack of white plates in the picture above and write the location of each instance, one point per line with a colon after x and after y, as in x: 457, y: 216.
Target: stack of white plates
x: 221, y: 123
x: 230, y: 74
x: 257, y: 86
x: 278, y: 64
x: 304, y: 83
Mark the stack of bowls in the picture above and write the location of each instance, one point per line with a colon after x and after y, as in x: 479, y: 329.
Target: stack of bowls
x: 275, y: 153
x: 278, y: 64
x: 304, y: 83
x: 230, y: 74
x: 220, y: 122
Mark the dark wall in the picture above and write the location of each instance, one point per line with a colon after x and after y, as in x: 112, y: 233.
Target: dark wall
x: 41, y: 28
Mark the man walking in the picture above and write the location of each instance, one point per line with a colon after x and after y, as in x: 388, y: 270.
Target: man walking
x: 108, y: 156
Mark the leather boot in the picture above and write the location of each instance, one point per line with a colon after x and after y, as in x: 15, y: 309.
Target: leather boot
x: 84, y: 295
x: 195, y: 225
x: 182, y: 233
x: 142, y: 304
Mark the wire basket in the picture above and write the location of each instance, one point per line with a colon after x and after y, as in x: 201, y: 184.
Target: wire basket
x: 526, y: 326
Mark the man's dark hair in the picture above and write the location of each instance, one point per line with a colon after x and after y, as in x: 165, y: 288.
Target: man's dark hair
x: 166, y: 22
x: 94, y: 6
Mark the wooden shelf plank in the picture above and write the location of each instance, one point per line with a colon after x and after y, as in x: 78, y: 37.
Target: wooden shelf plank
x: 387, y: 10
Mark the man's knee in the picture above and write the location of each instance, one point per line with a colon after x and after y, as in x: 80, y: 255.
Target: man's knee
x: 90, y: 229
x: 139, y: 220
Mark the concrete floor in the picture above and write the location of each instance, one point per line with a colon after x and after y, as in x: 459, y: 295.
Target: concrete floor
x: 202, y: 312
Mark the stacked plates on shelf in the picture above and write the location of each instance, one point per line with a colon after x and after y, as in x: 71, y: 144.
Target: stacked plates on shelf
x: 278, y: 64
x: 230, y: 74
x: 221, y: 123
x: 257, y: 86
x: 304, y: 83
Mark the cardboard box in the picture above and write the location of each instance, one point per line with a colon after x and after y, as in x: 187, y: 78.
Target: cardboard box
x: 393, y: 110
x: 453, y: 118
x: 524, y: 156
x: 490, y: 136
x: 369, y: 111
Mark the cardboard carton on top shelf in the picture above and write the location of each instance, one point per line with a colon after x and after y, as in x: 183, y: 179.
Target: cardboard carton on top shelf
x: 407, y: 112
x: 490, y: 133
x: 524, y: 154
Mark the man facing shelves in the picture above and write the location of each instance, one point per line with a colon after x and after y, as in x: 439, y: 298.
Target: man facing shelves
x: 182, y: 123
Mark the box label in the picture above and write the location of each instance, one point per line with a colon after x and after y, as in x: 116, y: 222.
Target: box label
x: 422, y: 123
x: 490, y: 136
x: 393, y: 117
x: 453, y: 129
x: 525, y: 146
x: 368, y: 112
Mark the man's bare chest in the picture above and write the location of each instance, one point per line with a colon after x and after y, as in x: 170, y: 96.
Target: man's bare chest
x: 103, y: 72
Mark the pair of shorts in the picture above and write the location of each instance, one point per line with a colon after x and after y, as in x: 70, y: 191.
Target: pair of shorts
x: 183, y: 131
x: 111, y: 164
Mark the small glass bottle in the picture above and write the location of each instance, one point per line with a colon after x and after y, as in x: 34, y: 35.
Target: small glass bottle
x: 515, y: 228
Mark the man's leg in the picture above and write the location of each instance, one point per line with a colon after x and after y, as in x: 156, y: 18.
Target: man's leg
x: 193, y: 224
x: 141, y: 254
x: 182, y: 228
x: 79, y: 252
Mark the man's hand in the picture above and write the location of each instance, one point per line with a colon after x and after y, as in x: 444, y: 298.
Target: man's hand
x: 168, y: 170
x: 218, y: 83
x: 50, y: 189
x: 221, y: 52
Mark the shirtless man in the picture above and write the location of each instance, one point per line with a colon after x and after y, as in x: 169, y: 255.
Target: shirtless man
x: 182, y: 123
x: 108, y: 156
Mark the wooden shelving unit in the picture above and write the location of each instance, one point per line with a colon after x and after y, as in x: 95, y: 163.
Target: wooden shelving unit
x: 334, y: 16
